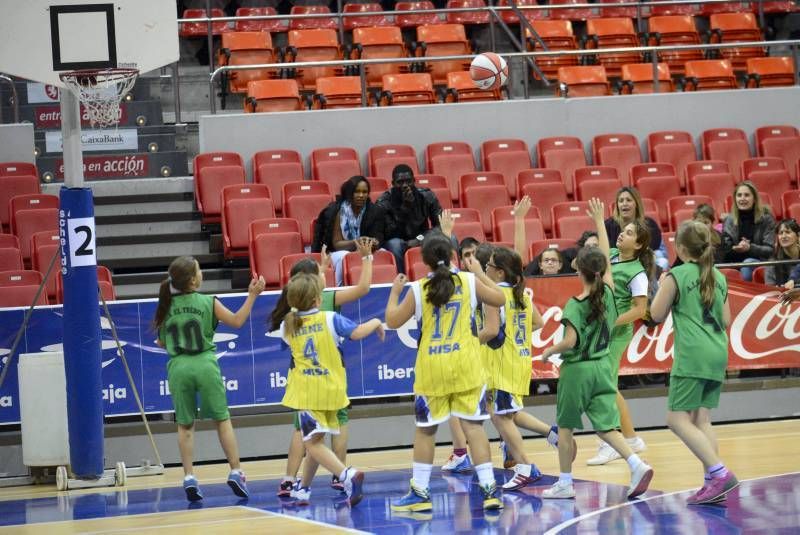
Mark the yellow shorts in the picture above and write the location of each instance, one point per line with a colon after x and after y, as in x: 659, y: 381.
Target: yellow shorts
x: 468, y: 405
x: 503, y: 402
x: 315, y: 422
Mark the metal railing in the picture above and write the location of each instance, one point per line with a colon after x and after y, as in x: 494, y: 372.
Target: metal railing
x: 14, y: 98
x: 794, y: 45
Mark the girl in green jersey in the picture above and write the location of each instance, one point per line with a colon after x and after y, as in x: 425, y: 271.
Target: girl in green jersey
x: 585, y: 383
x: 697, y: 295
x: 632, y: 264
x: 185, y: 322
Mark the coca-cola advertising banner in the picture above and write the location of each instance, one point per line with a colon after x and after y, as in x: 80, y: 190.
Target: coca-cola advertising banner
x: 110, y: 166
x: 50, y: 116
x: 762, y: 333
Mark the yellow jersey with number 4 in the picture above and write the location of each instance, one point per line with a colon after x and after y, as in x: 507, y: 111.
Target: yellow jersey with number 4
x: 317, y: 378
x: 448, y: 355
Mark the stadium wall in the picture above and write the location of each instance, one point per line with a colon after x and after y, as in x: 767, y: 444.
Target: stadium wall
x: 477, y: 122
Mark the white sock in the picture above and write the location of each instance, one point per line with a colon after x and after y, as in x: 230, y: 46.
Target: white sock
x: 188, y: 477
x: 422, y: 475
x: 634, y: 461
x: 565, y: 477
x: 237, y: 471
x: 632, y: 440
x: 485, y: 473
x: 288, y: 478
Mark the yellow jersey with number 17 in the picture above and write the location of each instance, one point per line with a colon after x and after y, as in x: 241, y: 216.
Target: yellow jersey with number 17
x: 448, y: 356
x: 317, y: 378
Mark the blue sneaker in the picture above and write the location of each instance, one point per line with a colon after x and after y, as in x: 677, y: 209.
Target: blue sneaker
x: 417, y: 500
x: 524, y: 475
x: 236, y: 481
x: 492, y: 497
x: 458, y: 464
x: 354, y: 486
x: 192, y: 489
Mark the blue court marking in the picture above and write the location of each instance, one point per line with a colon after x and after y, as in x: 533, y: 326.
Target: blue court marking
x: 457, y: 504
x: 770, y: 503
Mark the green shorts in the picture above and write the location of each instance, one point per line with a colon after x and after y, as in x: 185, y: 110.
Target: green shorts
x: 620, y: 338
x: 341, y: 416
x: 691, y: 393
x: 587, y: 387
x: 193, y: 376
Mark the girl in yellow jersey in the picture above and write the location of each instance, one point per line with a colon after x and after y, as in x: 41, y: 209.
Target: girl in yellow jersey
x: 448, y: 374
x: 317, y: 382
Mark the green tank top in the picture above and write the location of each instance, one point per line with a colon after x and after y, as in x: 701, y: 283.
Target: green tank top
x: 328, y: 303
x: 701, y: 342
x: 593, y: 338
x: 189, y: 326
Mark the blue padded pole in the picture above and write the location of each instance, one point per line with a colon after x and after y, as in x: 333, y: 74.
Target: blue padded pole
x: 82, y: 338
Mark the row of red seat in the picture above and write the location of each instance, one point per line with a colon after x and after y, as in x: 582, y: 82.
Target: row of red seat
x: 328, y: 20
x: 557, y: 159
x: 18, y: 287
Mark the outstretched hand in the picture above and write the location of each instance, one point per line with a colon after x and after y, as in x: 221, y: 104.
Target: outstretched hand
x: 365, y: 245
x: 596, y: 209
x: 521, y: 207
x: 790, y: 296
x: 324, y: 259
x: 256, y: 286
x: 447, y: 222
x: 399, y: 281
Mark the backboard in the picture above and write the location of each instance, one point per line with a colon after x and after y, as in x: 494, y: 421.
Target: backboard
x: 45, y: 37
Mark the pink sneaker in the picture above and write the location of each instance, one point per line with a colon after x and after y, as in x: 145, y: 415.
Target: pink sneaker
x: 715, y: 490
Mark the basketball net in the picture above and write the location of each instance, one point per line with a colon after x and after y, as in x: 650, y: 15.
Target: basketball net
x: 100, y: 92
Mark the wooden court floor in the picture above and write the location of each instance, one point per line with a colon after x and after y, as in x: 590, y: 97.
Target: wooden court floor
x: 751, y: 450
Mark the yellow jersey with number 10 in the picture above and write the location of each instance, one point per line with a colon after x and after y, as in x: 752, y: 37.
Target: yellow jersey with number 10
x: 510, y: 363
x: 317, y: 379
x: 448, y: 356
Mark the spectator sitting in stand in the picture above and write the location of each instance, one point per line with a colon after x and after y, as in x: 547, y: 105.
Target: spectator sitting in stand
x: 411, y: 212
x: 788, y: 247
x: 628, y: 207
x: 350, y: 217
x: 748, y: 232
x: 467, y: 248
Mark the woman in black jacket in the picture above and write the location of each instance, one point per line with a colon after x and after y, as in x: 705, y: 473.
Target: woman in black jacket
x: 748, y: 233
x: 343, y: 221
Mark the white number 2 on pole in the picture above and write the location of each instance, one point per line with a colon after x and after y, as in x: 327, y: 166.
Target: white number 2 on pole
x: 81, y: 242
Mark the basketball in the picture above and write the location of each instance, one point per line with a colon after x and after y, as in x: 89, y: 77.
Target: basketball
x: 489, y: 71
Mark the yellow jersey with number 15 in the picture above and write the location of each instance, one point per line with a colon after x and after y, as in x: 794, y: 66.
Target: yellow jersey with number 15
x: 511, y: 349
x: 317, y: 378
x: 448, y: 355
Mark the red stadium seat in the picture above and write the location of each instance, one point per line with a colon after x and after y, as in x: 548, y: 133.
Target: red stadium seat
x: 773, y: 184
x: 275, y: 168
x: 537, y: 176
x: 104, y: 283
x: 687, y: 203
x: 43, y: 246
x: 384, y: 269
x: 714, y: 185
x: 582, y: 81
x: 382, y: 159
x: 451, y: 160
x: 415, y: 267
x: 468, y: 224
x: 197, y: 30
x: 637, y: 78
x: 660, y: 189
x: 13, y: 185
x: 30, y: 221
x: 506, y: 156
x: 709, y: 75
x: 269, y: 25
x: 246, y: 48
x: 241, y: 206
x: 673, y: 147
x: 478, y: 179
x: 18, y: 288
x: 313, y: 45
x: 574, y: 14
x: 726, y: 144
x: 366, y: 21
x: 605, y: 190
x: 30, y: 201
x: 288, y: 261
x: 212, y: 172
x: 545, y: 195
x: 765, y: 164
x: 592, y: 172
x: 707, y: 167
x: 564, y: 154
x: 334, y: 165
x: 539, y: 246
x: 620, y: 151
x: 304, y: 187
x: 651, y: 209
x: 653, y: 169
x: 377, y: 186
x: 439, y: 186
x: 444, y: 40
x: 572, y: 227
x: 786, y: 147
x: 479, y: 16
x: 412, y: 20
x: 731, y: 274
x: 265, y: 250
x: 669, y: 242
x: 485, y: 199
x: 763, y: 133
x: 312, y: 23
x: 503, y: 225
x: 788, y: 199
x: 306, y: 208
x: 10, y: 258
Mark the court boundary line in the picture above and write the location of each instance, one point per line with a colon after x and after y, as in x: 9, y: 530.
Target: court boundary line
x: 569, y: 523
x: 306, y: 520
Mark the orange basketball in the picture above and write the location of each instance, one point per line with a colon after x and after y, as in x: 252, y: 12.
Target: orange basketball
x: 489, y: 71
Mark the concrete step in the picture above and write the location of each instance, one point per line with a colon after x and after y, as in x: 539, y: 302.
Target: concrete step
x: 147, y: 285
x: 116, y: 224
x: 149, y: 246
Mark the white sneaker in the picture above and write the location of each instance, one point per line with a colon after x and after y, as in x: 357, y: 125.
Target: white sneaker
x: 605, y: 454
x: 560, y: 490
x: 457, y: 463
x: 302, y: 496
x: 636, y: 444
x: 640, y: 479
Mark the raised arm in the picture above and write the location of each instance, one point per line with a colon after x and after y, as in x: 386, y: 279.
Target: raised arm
x: 491, y: 324
x: 447, y: 222
x: 488, y: 291
x: 399, y: 313
x: 521, y: 208
x: 237, y: 319
x: 597, y: 212
x: 348, y: 295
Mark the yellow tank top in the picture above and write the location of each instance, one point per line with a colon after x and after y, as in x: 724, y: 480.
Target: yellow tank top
x: 510, y: 363
x: 317, y: 378
x: 448, y: 355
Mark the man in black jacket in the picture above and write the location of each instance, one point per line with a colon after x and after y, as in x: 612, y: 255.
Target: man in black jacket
x: 411, y: 212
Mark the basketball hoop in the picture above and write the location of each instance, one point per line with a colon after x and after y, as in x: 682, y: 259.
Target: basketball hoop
x: 100, y: 91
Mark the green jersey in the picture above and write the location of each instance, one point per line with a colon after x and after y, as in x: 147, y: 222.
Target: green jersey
x: 189, y: 326
x: 593, y: 338
x: 701, y: 343
x: 329, y: 301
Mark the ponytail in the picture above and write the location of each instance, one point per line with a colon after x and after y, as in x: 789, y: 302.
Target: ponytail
x: 279, y: 312
x: 707, y: 282
x: 293, y: 322
x: 437, y: 250
x: 592, y: 264
x: 694, y: 237
x: 511, y: 264
x: 597, y: 304
x: 164, y: 302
